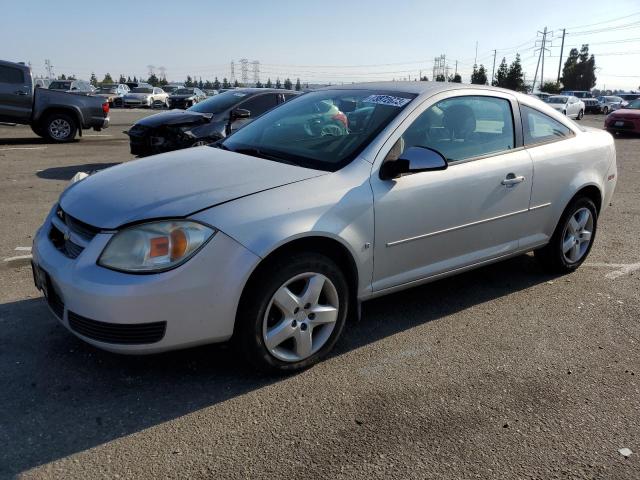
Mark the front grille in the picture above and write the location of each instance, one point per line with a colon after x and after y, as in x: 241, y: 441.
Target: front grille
x: 625, y: 126
x: 125, y: 334
x: 66, y: 245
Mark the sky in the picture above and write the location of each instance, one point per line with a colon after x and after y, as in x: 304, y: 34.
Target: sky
x: 327, y: 41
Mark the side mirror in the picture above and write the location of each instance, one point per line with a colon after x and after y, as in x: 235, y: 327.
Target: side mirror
x: 240, y: 113
x: 413, y: 160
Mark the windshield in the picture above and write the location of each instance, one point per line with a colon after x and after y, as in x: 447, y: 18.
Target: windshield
x: 220, y: 103
x: 109, y: 89
x: 142, y: 90
x: 183, y: 91
x: 169, y: 88
x: 557, y: 100
x: 59, y: 85
x: 634, y: 104
x: 324, y: 130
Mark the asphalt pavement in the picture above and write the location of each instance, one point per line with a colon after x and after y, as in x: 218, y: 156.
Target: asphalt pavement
x: 503, y: 372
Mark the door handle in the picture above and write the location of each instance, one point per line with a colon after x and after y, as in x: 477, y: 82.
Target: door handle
x: 511, y: 180
x: 20, y: 92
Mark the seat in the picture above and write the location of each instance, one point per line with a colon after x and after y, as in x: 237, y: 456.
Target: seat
x: 460, y: 121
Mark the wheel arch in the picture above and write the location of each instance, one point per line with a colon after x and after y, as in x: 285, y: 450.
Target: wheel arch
x: 58, y: 109
x: 327, y: 245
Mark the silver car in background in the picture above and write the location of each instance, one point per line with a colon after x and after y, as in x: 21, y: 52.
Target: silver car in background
x: 611, y: 103
x: 146, y: 96
x: 274, y: 235
x: 568, y: 105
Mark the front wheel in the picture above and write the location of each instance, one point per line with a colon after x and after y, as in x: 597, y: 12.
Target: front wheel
x: 573, y: 237
x: 580, y: 115
x: 605, y: 110
x: 292, y: 312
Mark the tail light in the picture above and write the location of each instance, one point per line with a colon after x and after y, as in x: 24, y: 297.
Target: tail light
x: 342, y: 118
x: 105, y: 108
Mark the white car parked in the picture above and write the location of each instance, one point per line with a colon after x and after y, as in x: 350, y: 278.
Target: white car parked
x: 569, y: 105
x: 275, y: 234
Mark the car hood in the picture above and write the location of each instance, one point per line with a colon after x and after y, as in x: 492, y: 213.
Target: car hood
x: 626, y: 113
x: 174, y: 184
x: 175, y: 117
x: 137, y: 95
x: 557, y: 106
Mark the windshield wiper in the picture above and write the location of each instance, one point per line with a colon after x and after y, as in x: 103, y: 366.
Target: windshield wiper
x: 256, y: 152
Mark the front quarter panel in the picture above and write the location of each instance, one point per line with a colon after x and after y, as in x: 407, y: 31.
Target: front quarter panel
x: 337, y: 205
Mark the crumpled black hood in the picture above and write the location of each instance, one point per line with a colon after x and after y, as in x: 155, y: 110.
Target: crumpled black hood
x: 175, y: 117
x: 182, y: 97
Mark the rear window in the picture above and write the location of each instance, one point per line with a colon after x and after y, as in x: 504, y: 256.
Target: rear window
x: 11, y: 75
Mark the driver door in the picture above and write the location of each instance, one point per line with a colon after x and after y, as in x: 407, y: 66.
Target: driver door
x: 475, y: 210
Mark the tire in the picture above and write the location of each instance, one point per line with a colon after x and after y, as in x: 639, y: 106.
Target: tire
x: 60, y: 127
x: 38, y: 130
x: 580, y: 115
x: 300, y: 337
x: 569, y: 247
x: 605, y: 110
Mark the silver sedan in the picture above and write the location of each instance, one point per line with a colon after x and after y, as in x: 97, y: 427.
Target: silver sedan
x: 275, y: 235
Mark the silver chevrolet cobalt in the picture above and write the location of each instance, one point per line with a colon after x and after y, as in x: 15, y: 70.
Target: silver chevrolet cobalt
x: 275, y: 235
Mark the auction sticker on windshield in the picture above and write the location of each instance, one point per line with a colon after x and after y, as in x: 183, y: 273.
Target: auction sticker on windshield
x: 387, y: 100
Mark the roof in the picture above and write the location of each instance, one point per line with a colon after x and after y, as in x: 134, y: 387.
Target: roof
x: 417, y: 87
x: 258, y: 90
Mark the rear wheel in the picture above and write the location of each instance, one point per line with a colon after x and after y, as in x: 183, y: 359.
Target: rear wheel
x: 60, y: 127
x: 573, y: 237
x: 605, y: 110
x: 292, y: 312
x: 580, y: 115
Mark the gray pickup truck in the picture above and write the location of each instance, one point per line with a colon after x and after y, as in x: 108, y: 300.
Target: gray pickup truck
x: 55, y: 115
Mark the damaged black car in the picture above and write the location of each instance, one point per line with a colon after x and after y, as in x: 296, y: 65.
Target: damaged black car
x: 205, y: 122
x: 186, y: 97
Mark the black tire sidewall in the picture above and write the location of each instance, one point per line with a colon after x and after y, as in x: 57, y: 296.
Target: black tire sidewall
x: 557, y: 255
x: 67, y: 118
x: 258, y: 294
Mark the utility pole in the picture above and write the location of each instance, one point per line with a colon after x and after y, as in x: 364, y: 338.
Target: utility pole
x: 493, y: 71
x: 475, y: 60
x: 542, y: 49
x: 456, y: 72
x: 561, y: 50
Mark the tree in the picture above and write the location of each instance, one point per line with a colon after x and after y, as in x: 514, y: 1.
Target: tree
x: 479, y: 75
x: 455, y: 78
x: 259, y: 84
x: 298, y: 86
x: 62, y: 77
x: 515, y: 77
x: 287, y: 84
x: 135, y: 79
x: 579, y: 72
x: 278, y: 84
x: 501, y: 74
x: 236, y: 84
x: 128, y: 79
x: 216, y: 84
x: 93, y: 80
x: 225, y: 83
x: 269, y: 84
x: 189, y: 81
x: 424, y: 79
x: 208, y: 85
x: 200, y: 84
x: 551, y: 87
x: 153, y: 80
x: 440, y: 78
x: 107, y: 78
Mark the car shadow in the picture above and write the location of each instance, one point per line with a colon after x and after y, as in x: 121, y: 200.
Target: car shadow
x: 67, y: 172
x: 24, y: 141
x: 61, y: 396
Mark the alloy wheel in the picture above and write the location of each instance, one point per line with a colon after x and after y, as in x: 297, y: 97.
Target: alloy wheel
x: 300, y: 317
x: 60, y: 129
x: 577, y: 235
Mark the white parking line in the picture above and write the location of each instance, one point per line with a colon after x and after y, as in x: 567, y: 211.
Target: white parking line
x: 95, y: 135
x: 17, y: 258
x: 622, y: 268
x: 23, y: 148
x: 23, y: 249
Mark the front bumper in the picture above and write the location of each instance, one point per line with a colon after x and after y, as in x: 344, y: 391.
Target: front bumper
x: 193, y: 304
x: 622, y: 125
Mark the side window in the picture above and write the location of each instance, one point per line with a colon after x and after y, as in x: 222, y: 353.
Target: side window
x: 259, y: 105
x: 11, y: 75
x: 540, y: 128
x: 289, y: 96
x: 461, y: 128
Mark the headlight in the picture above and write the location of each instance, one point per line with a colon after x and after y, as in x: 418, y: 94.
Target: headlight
x: 155, y: 247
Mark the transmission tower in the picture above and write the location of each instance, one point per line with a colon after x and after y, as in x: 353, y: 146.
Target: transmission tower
x: 151, y: 69
x: 244, y: 70
x: 163, y: 73
x: 255, y: 67
x: 49, y: 68
x: 232, y: 77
